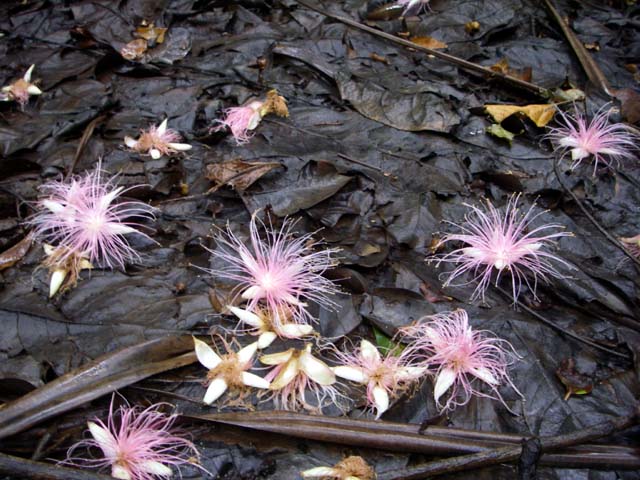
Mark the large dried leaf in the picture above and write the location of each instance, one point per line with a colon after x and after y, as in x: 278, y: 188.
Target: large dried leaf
x: 539, y: 114
x: 239, y: 174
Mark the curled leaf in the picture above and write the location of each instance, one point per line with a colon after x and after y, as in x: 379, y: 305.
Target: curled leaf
x: 540, y: 114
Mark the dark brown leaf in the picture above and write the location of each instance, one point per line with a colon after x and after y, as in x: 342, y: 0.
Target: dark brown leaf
x: 10, y: 257
x: 239, y: 174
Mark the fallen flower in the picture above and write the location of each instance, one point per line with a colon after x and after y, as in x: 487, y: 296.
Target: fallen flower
x: 268, y: 330
x: 140, y: 446
x: 81, y: 218
x: 295, y: 372
x: 606, y: 144
x: 280, y: 271
x: 632, y: 244
x: 21, y: 89
x: 228, y: 371
x: 157, y: 141
x: 385, y: 377
x: 461, y: 354
x: 501, y: 241
x: 413, y: 7
x: 241, y: 120
x: 351, y: 468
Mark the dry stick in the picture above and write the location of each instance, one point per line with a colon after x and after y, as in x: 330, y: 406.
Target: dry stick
x: 86, y: 135
x: 510, y: 454
x: 474, y: 67
x: 548, y: 322
x: 602, y: 230
x: 21, y: 468
x: 588, y: 64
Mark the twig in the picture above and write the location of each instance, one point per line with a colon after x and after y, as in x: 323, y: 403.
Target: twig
x: 595, y: 223
x: 86, y: 135
x: 549, y: 323
x: 21, y: 468
x: 474, y: 67
x: 588, y: 64
x: 510, y: 454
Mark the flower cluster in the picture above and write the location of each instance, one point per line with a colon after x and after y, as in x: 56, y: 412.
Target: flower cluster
x: 85, y: 223
x: 607, y: 144
x: 503, y: 242
x: 242, y: 120
x: 461, y: 355
x: 136, y: 444
x: 157, y: 141
x: 20, y: 90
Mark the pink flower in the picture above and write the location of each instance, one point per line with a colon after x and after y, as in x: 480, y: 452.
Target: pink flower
x: 385, y: 377
x: 21, y: 89
x: 632, y: 244
x: 81, y: 216
x: 502, y: 242
x: 241, y: 120
x: 295, y: 372
x: 157, y: 141
x: 139, y: 446
x: 413, y: 7
x: 278, y: 272
x: 607, y: 144
x: 462, y: 356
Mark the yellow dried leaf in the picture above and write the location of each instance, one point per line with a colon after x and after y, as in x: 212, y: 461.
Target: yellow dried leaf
x: 134, y: 50
x: 429, y: 42
x: 151, y: 33
x: 539, y: 114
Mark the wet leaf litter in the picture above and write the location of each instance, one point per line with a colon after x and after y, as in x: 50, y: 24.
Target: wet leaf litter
x: 370, y: 130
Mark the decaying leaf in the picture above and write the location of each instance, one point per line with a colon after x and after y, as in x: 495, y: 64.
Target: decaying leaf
x: 150, y: 33
x: 238, y: 174
x: 429, y: 42
x: 502, y: 66
x: 569, y: 95
x: 540, y: 114
x: 134, y: 50
x: 10, y: 257
x: 498, y: 131
x: 574, y: 382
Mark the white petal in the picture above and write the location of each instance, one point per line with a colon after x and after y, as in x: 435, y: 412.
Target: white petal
x: 354, y: 374
x: 130, y: 142
x: 104, y: 439
x: 34, y: 90
x: 316, y: 370
x: 369, y: 352
x: 206, y: 355
x: 485, y: 375
x: 295, y: 330
x: 246, y: 316
x: 106, y: 200
x: 411, y: 373
x: 27, y: 75
x: 254, y: 121
x: 155, y: 153
x: 319, y: 472
x: 293, y: 300
x: 118, y: 471
x: 277, y: 358
x: 265, y: 339
x: 245, y: 355
x: 474, y: 252
x: 251, y: 380
x: 445, y: 379
x: 534, y: 247
x: 499, y: 264
x: 120, y: 229
x: 57, y: 279
x: 253, y: 292
x: 181, y: 147
x: 48, y: 249
x: 55, y: 207
x: 286, y: 375
x: 156, y: 468
x: 578, y: 153
x: 351, y: 477
x: 163, y: 126
x: 568, y: 142
x: 217, y: 387
x: 381, y: 400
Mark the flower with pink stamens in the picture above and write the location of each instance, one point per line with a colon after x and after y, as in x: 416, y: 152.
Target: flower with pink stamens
x: 228, y: 371
x: 413, y: 7
x: 385, y: 377
x: 136, y: 444
x: 157, y: 141
x: 606, y: 143
x: 503, y: 242
x: 279, y: 272
x: 295, y: 372
x: 81, y: 216
x: 21, y: 89
x: 462, y: 355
